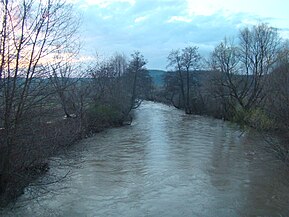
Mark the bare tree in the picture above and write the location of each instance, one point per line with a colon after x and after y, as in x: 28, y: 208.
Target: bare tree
x: 185, y: 62
x: 225, y: 84
x: 277, y: 99
x: 190, y: 61
x: 31, y: 33
x: 119, y: 64
x: 258, y: 53
x: 138, y: 78
x: 64, y: 73
x: 175, y: 61
x: 118, y: 87
x: 242, y: 69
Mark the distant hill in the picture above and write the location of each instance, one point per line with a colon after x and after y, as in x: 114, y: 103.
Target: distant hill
x: 157, y: 76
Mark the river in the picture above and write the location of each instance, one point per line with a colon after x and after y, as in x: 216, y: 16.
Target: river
x: 165, y: 164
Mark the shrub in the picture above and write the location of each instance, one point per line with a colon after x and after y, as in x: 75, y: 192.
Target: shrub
x: 259, y: 119
x: 101, y: 116
x: 256, y: 118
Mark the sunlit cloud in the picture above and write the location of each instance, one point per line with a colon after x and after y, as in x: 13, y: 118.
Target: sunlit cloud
x: 140, y: 19
x: 100, y: 3
x: 179, y: 19
x: 203, y: 8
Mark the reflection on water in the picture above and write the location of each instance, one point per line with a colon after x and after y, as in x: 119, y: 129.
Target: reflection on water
x: 164, y: 164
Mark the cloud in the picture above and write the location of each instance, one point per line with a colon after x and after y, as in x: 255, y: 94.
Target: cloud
x: 140, y: 19
x: 179, y: 19
x: 103, y: 3
x: 154, y: 27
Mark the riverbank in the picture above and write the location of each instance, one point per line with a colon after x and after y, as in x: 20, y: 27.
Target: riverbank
x: 30, y: 155
x: 256, y: 119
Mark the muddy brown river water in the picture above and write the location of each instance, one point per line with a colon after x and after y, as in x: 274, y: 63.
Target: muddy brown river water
x: 165, y: 164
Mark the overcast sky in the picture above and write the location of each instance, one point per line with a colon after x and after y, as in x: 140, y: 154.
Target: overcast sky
x: 155, y: 27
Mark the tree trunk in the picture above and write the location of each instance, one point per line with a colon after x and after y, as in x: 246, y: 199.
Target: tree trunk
x: 188, y: 106
x: 5, y: 163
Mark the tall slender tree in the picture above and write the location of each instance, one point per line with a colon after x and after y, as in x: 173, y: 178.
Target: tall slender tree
x: 184, y: 62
